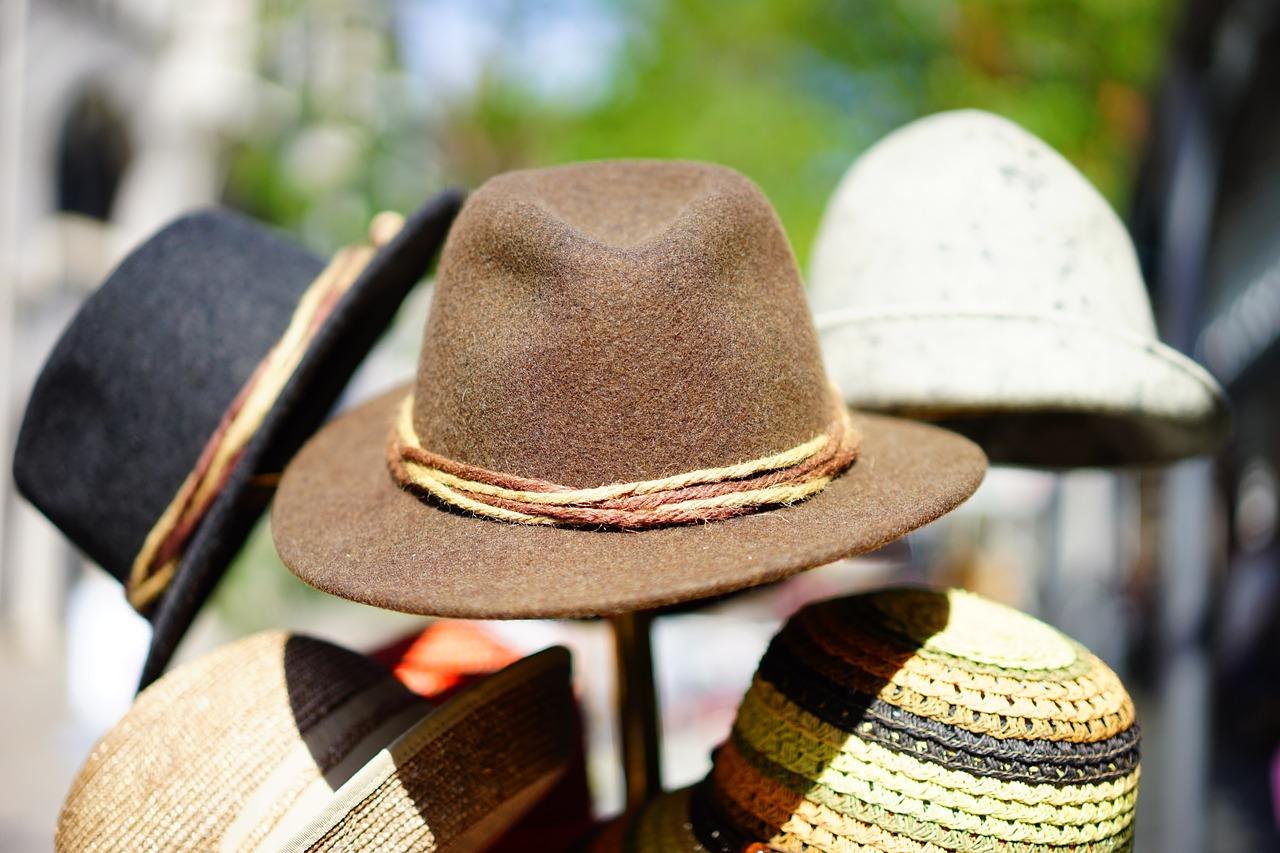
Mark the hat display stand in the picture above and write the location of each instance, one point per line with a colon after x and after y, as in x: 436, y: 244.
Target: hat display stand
x: 638, y: 721
x: 623, y: 405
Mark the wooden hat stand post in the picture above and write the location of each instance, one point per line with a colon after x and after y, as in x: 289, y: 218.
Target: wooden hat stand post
x: 639, y: 727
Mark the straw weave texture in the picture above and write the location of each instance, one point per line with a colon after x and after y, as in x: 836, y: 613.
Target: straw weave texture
x: 286, y: 742
x: 514, y: 756
x: 177, y: 769
x: 916, y: 721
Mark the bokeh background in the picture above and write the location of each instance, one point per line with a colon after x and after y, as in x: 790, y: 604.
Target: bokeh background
x: 119, y: 114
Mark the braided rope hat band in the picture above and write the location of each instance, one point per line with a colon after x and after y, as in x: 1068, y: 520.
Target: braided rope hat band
x: 918, y: 721
x: 709, y: 494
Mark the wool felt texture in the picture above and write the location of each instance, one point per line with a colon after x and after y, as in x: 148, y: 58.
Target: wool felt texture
x: 163, y: 547
x: 912, y: 720
x: 595, y: 324
x: 966, y: 273
x: 143, y: 374
x: 280, y: 741
x: 710, y: 494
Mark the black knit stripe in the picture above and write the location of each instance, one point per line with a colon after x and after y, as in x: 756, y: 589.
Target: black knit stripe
x: 872, y: 719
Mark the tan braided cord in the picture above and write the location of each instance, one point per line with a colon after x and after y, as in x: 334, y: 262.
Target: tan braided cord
x: 708, y: 494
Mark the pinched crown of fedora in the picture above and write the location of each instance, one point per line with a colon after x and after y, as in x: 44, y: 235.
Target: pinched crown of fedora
x: 966, y: 272
x: 514, y: 378
x: 610, y: 336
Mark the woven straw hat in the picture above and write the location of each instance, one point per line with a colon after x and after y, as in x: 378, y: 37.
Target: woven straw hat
x: 202, y: 362
x: 966, y: 273
x: 283, y: 742
x: 914, y: 721
x: 619, y: 404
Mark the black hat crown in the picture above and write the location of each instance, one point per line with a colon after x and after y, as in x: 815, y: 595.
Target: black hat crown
x: 140, y: 382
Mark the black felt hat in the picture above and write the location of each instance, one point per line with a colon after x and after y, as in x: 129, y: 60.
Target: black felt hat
x: 138, y: 393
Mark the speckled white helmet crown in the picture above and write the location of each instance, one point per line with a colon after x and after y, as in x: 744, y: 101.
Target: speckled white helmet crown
x: 966, y: 272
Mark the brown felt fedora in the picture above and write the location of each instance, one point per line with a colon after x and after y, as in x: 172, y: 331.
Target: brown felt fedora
x: 608, y: 340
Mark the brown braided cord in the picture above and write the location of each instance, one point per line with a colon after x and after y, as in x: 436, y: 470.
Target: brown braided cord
x: 710, y: 494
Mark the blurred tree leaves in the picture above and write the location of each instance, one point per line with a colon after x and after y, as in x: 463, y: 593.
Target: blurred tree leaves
x: 787, y: 91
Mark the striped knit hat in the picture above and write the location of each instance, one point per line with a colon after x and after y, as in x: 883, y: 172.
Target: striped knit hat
x: 283, y: 742
x: 913, y: 720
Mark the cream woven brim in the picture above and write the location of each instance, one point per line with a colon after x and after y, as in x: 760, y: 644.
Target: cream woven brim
x: 285, y: 742
x: 1036, y: 390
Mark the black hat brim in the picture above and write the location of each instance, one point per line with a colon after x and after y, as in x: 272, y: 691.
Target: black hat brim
x: 338, y: 348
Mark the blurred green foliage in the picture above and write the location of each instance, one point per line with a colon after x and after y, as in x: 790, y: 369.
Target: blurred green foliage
x: 787, y: 91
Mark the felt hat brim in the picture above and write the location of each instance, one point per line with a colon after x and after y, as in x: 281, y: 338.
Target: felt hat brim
x: 348, y: 333
x: 1032, y: 390
x: 344, y: 526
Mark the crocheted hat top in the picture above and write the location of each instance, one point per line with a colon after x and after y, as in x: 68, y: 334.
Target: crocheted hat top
x: 916, y: 720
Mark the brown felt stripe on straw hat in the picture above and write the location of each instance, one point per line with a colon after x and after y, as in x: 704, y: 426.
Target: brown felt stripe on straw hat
x: 709, y: 494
